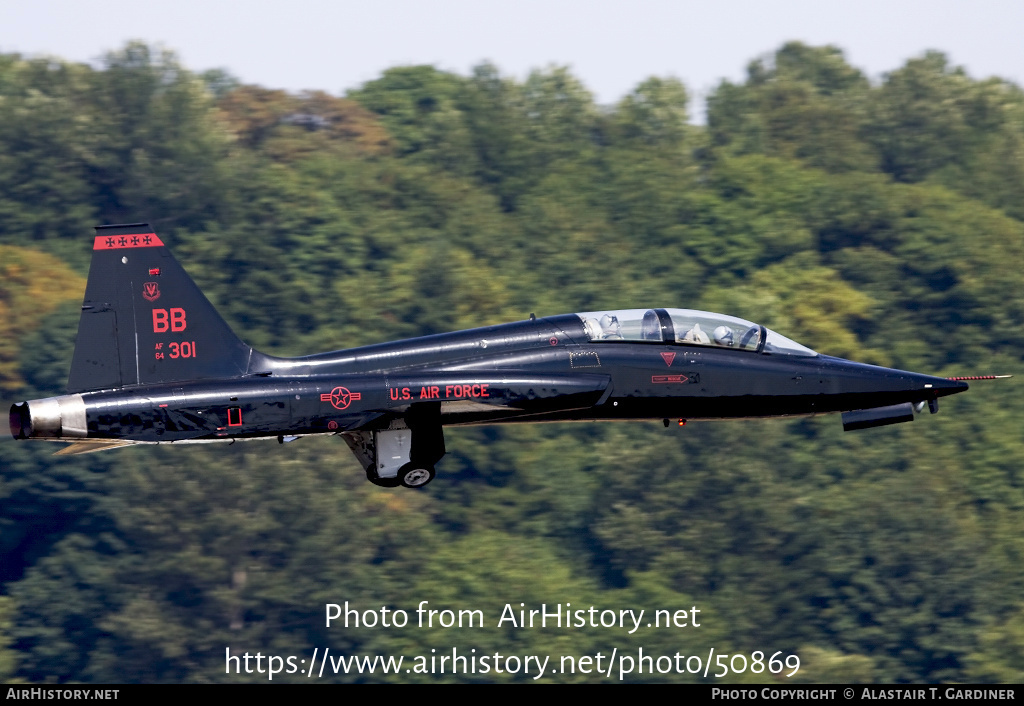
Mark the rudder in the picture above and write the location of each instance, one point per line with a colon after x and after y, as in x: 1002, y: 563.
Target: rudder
x: 145, y: 321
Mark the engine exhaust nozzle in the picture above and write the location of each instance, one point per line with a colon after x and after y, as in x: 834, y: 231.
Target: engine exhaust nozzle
x: 49, y: 418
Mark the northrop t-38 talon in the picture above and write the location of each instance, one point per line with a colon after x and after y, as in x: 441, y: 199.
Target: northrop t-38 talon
x: 155, y: 363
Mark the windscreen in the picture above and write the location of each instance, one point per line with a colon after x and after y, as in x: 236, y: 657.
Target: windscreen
x: 686, y: 326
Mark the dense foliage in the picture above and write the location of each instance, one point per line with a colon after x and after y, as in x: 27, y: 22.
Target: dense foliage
x: 882, y: 222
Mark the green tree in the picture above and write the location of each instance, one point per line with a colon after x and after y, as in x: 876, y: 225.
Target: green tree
x: 805, y: 103
x: 155, y: 151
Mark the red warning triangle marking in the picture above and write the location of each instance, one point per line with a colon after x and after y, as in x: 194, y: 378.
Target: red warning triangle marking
x: 668, y: 357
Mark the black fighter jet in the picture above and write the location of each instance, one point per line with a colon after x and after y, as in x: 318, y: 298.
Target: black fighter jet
x: 155, y: 363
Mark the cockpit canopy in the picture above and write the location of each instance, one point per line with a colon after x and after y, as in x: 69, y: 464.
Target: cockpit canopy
x: 687, y: 326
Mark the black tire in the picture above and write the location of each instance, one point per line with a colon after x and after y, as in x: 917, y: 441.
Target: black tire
x: 415, y: 475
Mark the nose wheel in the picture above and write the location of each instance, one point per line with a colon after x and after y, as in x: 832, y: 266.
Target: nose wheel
x: 413, y: 475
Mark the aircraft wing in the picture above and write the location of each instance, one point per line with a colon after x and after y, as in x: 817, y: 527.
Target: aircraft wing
x: 88, y: 446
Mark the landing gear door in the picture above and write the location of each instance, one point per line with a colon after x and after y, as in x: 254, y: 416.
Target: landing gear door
x: 381, y: 452
x: 394, y: 449
x: 361, y: 443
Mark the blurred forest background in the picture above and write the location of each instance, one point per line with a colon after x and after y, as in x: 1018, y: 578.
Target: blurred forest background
x: 880, y: 221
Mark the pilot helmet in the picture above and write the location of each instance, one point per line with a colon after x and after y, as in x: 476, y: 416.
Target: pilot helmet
x: 723, y: 336
x: 610, y: 323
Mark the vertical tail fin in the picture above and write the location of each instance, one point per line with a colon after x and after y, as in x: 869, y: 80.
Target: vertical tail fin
x: 145, y: 321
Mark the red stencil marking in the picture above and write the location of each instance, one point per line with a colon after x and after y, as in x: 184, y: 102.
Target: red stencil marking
x: 116, y: 242
x: 340, y: 397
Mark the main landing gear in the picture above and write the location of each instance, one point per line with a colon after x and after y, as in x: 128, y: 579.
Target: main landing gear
x: 411, y: 475
x: 404, y: 453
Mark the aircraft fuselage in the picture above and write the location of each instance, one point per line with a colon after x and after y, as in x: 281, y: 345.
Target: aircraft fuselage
x: 539, y: 370
x: 155, y: 363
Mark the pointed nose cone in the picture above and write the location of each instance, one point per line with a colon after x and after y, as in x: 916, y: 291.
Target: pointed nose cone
x: 935, y: 386
x: 872, y: 385
x: 945, y: 386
